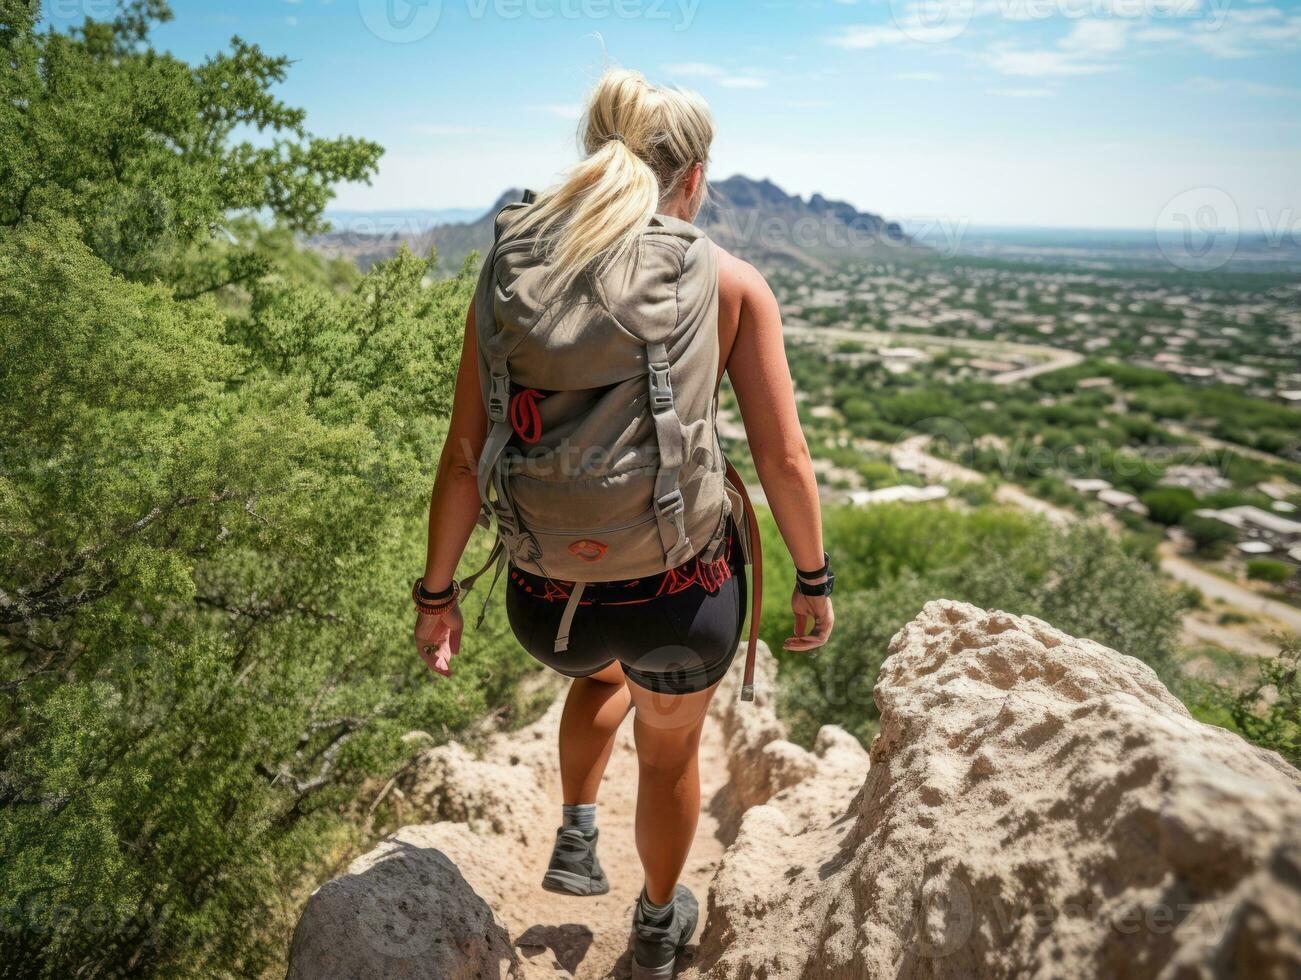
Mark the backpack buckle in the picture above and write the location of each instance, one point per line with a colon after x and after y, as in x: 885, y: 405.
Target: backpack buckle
x: 661, y: 387
x: 506, y: 522
x: 670, y: 505
x: 498, y: 397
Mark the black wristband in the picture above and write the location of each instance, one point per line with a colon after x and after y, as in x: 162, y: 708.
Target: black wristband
x: 817, y: 588
x: 826, y: 567
x: 428, y: 596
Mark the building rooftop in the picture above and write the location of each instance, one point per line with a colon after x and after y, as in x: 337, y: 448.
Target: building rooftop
x: 899, y: 494
x: 1264, y: 519
x: 1090, y: 485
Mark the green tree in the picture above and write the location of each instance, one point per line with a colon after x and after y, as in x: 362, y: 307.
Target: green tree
x: 1210, y: 537
x: 1169, y: 505
x: 216, y: 460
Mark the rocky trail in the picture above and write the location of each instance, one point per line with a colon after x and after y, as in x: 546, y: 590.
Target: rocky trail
x: 1036, y: 805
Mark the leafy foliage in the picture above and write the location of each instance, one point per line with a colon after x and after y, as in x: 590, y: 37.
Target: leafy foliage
x: 217, y: 458
x: 1170, y: 505
x: 1210, y: 537
x: 896, y: 558
x: 1269, y: 570
x: 1269, y: 711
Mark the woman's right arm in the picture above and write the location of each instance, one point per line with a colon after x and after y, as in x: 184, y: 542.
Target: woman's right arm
x: 761, y: 378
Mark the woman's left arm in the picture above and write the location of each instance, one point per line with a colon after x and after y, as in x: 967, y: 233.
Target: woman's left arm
x: 453, y: 506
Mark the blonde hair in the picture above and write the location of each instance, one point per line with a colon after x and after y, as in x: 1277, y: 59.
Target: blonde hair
x: 640, y: 140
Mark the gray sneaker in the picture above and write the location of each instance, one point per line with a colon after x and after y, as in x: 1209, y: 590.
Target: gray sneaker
x: 655, y: 948
x: 574, y: 869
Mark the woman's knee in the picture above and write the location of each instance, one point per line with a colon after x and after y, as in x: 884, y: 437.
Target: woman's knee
x: 671, y: 748
x: 672, y: 757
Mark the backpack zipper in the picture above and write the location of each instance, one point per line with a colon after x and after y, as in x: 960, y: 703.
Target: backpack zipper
x: 593, y: 530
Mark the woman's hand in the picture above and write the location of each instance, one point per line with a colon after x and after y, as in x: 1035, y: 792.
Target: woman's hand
x: 806, y: 607
x: 438, y: 638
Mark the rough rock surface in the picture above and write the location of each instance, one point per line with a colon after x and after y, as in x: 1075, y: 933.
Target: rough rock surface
x: 403, y: 911
x: 1037, y: 806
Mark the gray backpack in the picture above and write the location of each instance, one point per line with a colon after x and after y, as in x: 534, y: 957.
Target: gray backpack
x: 602, y: 461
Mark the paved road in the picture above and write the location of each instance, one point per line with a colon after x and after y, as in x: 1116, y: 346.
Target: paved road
x: 1210, y: 442
x: 1214, y: 587
x: 1051, y: 358
x: 1197, y: 631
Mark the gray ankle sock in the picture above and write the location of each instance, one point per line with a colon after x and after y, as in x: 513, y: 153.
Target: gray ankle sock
x: 580, y: 815
x: 652, y: 913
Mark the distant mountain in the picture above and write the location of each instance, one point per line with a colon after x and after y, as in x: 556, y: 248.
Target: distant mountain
x: 755, y: 219
x: 759, y: 221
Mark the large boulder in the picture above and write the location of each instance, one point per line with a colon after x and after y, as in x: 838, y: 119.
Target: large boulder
x: 402, y: 912
x: 1037, y: 805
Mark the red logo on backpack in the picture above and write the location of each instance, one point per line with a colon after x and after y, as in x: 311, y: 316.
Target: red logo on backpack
x: 589, y: 550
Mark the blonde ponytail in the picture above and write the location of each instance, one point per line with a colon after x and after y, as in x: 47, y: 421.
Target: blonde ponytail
x: 640, y: 140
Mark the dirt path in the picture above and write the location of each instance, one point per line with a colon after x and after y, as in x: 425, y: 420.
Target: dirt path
x: 494, y: 812
x: 589, y: 936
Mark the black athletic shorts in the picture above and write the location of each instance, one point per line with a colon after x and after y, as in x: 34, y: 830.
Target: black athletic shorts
x: 674, y: 633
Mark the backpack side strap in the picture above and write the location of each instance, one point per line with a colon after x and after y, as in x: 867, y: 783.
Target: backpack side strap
x: 756, y: 579
x: 670, y: 511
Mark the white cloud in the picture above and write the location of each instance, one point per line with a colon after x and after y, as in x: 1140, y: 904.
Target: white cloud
x: 1083, y: 51
x: 695, y: 69
x: 1236, y: 33
x: 918, y: 76
x: 445, y: 129
x: 745, y: 79
x: 1022, y: 93
x: 1043, y: 64
x: 559, y: 110
x: 861, y: 37
x: 1097, y: 36
x: 1203, y: 85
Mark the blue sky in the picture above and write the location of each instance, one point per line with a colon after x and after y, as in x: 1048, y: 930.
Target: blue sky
x: 1080, y: 113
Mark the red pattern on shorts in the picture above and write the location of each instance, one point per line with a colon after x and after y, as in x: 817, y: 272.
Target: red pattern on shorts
x: 695, y: 573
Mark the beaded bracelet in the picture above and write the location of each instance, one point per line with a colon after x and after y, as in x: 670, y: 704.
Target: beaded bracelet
x: 434, y: 607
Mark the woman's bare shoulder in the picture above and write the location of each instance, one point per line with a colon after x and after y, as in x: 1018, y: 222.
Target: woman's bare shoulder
x: 739, y: 283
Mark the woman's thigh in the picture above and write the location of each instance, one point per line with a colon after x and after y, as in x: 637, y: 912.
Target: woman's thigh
x: 668, y: 726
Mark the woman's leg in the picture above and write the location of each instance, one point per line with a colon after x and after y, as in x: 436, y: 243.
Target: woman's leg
x: 594, y: 709
x: 667, y: 729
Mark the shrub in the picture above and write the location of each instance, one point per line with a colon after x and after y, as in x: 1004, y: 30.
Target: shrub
x: 1169, y: 505
x: 1269, y: 711
x: 1210, y: 537
x: 1082, y: 581
x: 1269, y: 570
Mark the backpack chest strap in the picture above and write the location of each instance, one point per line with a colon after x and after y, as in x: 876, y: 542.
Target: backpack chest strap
x: 670, y: 510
